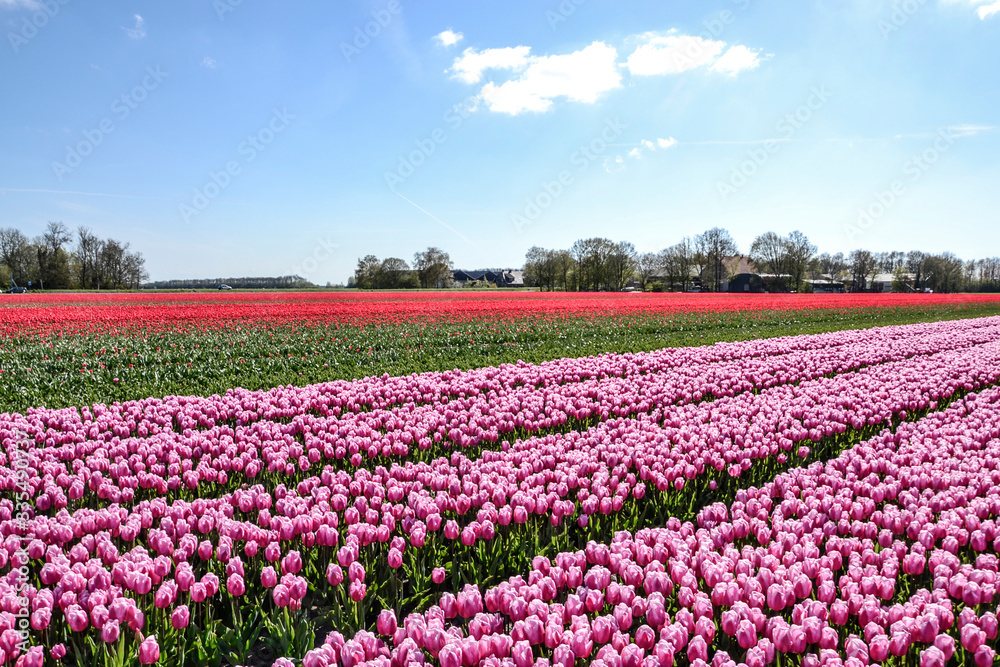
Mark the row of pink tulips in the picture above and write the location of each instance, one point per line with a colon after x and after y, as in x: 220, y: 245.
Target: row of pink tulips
x: 179, y: 444
x: 887, y: 553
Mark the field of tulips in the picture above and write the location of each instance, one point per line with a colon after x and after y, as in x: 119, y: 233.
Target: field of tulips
x: 826, y: 499
x: 65, y: 350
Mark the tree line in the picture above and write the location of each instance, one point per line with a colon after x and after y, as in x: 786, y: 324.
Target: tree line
x: 280, y: 282
x: 708, y: 261
x: 431, y: 269
x: 59, y: 259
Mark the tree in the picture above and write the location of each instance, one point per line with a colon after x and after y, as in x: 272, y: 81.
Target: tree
x: 834, y: 266
x: 53, y: 261
x: 592, y: 263
x: 434, y: 268
x: 648, y: 264
x: 620, y: 265
x: 366, y: 274
x: 392, y: 273
x: 134, y: 270
x: 15, y: 254
x: 714, y: 247
x: 771, y: 254
x: 88, y: 252
x: 914, y: 264
x: 862, y: 265
x: 541, y: 268
x: 800, y: 252
x: 565, y: 269
x: 944, y: 272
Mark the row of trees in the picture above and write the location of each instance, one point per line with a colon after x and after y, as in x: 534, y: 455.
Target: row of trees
x: 253, y: 282
x: 58, y: 259
x: 710, y: 259
x: 601, y: 264
x: 431, y: 269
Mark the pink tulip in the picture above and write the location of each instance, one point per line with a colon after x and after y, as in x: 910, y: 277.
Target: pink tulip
x: 386, y: 623
x: 149, y: 651
x: 235, y: 585
x: 180, y: 617
x: 110, y: 631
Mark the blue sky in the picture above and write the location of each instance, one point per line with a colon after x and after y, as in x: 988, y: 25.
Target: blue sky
x: 229, y: 138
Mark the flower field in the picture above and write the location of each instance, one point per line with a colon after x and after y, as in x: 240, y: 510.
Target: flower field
x: 65, y: 350
x: 824, y: 499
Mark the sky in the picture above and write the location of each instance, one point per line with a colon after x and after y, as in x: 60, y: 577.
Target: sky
x: 224, y: 138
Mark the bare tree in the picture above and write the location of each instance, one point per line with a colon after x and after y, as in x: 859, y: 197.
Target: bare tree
x: 14, y: 253
x: 862, y: 265
x: 800, y: 252
x: 714, y: 247
x: 771, y: 254
x: 648, y: 265
x: 88, y: 253
x: 620, y: 265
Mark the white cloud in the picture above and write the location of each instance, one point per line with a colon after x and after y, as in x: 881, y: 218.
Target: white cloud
x: 984, y: 8
x: 647, y: 146
x: 988, y: 10
x: 737, y: 59
x: 581, y: 76
x: 469, y: 67
x: 672, y: 53
x: 449, y: 37
x: 139, y: 31
x: 520, y: 81
x: 209, y: 62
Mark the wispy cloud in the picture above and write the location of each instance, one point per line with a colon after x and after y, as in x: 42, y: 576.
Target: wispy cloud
x: 138, y: 31
x: 4, y: 191
x: 470, y: 66
x: 22, y: 4
x: 209, y: 62
x: 969, y: 130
